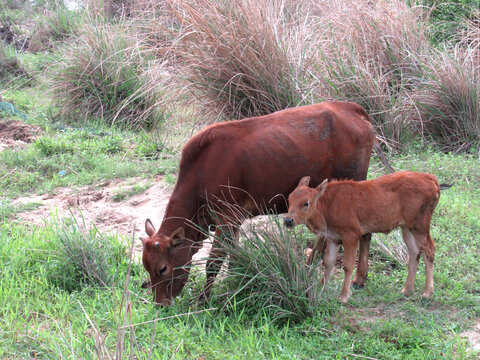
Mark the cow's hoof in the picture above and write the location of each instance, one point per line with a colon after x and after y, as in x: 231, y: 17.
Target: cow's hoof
x: 358, y: 286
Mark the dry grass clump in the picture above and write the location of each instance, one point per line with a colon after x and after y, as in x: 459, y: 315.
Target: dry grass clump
x: 108, y: 73
x: 9, y: 64
x: 268, y: 275
x: 246, y: 57
x: 448, y: 101
x: 372, y: 55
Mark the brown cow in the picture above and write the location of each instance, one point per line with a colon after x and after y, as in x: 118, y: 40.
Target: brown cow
x: 345, y: 210
x: 253, y: 163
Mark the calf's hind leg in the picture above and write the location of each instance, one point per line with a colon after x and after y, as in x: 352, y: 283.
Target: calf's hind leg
x: 413, y: 258
x: 428, y: 253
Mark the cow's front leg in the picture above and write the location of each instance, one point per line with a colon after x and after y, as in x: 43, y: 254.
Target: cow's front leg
x: 318, y: 248
x: 216, y: 257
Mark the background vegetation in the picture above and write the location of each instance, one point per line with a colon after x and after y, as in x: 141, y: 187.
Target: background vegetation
x: 118, y: 86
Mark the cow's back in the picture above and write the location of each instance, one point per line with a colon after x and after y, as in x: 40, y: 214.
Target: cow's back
x: 256, y: 162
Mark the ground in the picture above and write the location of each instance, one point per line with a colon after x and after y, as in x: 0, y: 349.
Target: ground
x: 101, y: 205
x: 14, y: 133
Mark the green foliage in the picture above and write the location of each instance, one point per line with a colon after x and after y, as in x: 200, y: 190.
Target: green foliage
x: 267, y: 274
x: 75, y: 157
x: 447, y: 18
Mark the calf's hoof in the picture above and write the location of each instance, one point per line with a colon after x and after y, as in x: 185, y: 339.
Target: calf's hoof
x: 405, y: 292
x: 343, y: 299
x: 427, y: 295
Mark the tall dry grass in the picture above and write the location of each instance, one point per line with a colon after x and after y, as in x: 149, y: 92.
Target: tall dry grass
x: 245, y: 57
x: 109, y: 73
x: 448, y: 98
x: 372, y: 55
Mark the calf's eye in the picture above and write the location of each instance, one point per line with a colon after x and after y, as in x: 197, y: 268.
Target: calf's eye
x: 306, y: 204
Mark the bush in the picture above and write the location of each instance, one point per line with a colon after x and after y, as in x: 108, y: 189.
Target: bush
x: 108, y: 74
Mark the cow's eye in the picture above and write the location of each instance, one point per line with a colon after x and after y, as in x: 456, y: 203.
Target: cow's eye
x: 306, y: 204
x: 162, y: 270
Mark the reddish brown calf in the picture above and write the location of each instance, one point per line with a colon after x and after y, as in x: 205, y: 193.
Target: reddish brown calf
x: 345, y: 210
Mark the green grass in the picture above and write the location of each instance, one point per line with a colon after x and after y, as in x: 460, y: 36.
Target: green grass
x: 77, y: 156
x: 40, y: 318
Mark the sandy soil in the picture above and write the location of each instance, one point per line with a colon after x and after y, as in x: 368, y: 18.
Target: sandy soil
x: 96, y: 205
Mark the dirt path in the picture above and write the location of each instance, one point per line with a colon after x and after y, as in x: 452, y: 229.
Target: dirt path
x: 95, y: 204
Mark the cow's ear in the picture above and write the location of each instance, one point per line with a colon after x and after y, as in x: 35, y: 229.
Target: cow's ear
x: 149, y: 228
x: 304, y: 181
x: 321, y: 189
x: 178, y: 237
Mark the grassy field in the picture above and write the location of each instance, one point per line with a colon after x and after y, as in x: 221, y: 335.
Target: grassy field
x: 52, y: 307
x: 100, y: 85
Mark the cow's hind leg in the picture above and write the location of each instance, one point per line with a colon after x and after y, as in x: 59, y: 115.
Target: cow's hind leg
x: 362, y: 267
x: 413, y: 258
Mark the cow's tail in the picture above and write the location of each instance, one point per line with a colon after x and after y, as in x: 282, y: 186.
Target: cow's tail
x: 381, y: 155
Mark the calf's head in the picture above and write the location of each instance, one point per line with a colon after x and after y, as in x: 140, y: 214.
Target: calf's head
x: 302, y: 202
x: 165, y: 257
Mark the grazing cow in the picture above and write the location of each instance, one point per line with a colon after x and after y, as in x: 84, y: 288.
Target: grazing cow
x: 253, y: 164
x: 345, y: 210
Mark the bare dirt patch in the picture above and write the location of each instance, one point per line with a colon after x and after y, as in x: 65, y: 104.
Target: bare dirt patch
x: 96, y: 205
x: 473, y: 336
x: 15, y: 133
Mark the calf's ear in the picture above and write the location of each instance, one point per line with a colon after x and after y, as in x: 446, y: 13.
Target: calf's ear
x: 321, y: 189
x: 304, y: 181
x: 178, y: 237
x: 149, y: 228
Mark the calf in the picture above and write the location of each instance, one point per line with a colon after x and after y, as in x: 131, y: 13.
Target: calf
x: 342, y: 211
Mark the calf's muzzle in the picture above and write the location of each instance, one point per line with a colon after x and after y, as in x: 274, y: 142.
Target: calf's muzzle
x: 289, y: 222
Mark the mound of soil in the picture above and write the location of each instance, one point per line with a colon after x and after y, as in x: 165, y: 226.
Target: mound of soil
x: 16, y: 133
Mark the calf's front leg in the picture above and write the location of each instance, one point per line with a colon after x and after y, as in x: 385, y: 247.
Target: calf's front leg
x: 350, y: 243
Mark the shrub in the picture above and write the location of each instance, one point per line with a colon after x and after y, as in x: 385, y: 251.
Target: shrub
x: 108, y: 74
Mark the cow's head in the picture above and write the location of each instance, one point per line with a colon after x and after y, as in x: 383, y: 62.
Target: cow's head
x: 302, y: 202
x: 165, y: 257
